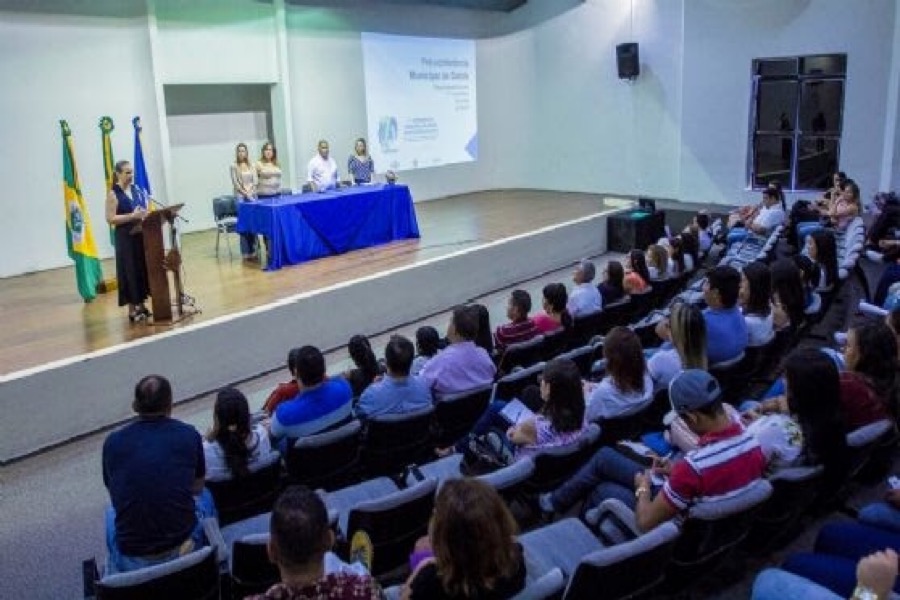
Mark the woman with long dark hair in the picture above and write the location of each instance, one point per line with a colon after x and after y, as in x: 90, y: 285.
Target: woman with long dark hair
x: 822, y: 250
x: 627, y: 387
x: 637, y: 277
x: 555, y: 315
x: 612, y: 288
x: 366, y: 367
x: 755, y: 298
x: 232, y: 448
x: 471, y: 551
x: 788, y: 296
x: 869, y: 385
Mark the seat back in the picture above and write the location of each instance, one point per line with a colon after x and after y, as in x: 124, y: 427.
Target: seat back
x: 553, y: 466
x: 238, y: 499
x: 455, y: 415
x: 523, y: 354
x: 511, y: 386
x: 665, y: 289
x: 328, y: 460
x: 626, y: 570
x: 616, y: 313
x: 584, y: 327
x: 641, y: 304
x: 555, y: 343
x: 732, y: 376
x: 863, y: 441
x: 626, y: 427
x: 391, y: 442
x: 191, y: 577
x: 712, y: 530
x: 251, y: 571
x: 584, y: 357
x: 224, y: 207
x: 393, y: 524
x: 510, y: 480
x: 794, y: 490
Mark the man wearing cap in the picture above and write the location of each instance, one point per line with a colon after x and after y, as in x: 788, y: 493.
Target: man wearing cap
x: 727, y: 459
x: 585, y: 298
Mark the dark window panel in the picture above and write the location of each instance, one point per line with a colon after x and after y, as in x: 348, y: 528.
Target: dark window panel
x: 824, y: 64
x: 777, y: 103
x: 817, y: 161
x: 776, y: 67
x: 772, y: 159
x: 821, y: 106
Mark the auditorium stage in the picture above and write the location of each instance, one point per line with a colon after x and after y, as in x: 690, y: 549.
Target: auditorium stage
x: 58, y: 353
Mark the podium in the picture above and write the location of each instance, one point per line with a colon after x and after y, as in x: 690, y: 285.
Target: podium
x: 160, y: 262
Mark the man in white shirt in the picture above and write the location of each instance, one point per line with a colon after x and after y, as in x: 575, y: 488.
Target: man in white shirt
x: 322, y: 173
x: 585, y: 297
x: 770, y: 215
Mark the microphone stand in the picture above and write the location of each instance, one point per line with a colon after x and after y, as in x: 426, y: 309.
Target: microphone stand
x: 164, y: 205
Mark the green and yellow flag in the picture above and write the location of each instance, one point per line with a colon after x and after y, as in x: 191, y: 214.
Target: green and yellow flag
x: 79, y: 235
x: 109, y: 163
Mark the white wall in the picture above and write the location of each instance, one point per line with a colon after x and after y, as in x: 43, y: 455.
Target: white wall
x: 552, y: 112
x: 79, y: 69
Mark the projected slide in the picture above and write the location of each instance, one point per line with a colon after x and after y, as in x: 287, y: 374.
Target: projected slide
x: 420, y: 101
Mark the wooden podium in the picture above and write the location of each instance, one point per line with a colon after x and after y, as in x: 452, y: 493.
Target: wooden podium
x: 160, y: 262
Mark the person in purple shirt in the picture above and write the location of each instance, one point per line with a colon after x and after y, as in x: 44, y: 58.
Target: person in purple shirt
x: 461, y: 366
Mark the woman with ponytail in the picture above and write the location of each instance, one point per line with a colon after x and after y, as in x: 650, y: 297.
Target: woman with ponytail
x: 232, y: 448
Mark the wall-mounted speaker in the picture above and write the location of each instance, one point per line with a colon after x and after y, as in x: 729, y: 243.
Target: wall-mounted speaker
x: 628, y: 61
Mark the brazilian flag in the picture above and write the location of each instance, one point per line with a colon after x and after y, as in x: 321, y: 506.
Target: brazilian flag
x: 79, y: 235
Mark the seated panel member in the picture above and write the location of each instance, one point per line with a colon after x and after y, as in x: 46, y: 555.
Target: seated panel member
x: 322, y: 172
x: 360, y: 166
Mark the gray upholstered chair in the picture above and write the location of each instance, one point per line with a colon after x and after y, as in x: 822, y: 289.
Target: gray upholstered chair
x: 194, y: 576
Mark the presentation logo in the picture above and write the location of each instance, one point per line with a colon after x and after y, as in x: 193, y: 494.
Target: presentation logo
x: 387, y: 133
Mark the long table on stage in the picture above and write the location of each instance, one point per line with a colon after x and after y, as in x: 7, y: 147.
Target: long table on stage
x: 302, y: 227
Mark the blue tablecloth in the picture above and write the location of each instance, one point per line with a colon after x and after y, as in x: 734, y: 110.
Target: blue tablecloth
x: 303, y: 227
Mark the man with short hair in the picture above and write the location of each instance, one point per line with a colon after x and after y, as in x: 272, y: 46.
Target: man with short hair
x: 726, y: 330
x: 461, y: 366
x: 585, y: 298
x: 397, y: 392
x: 764, y: 220
x: 322, y: 171
x: 299, y: 537
x: 154, y: 471
x: 321, y: 403
x: 520, y: 327
x: 727, y: 460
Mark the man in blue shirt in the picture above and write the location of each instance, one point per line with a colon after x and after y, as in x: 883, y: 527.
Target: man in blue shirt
x: 322, y: 403
x: 726, y: 331
x: 154, y: 470
x: 397, y: 393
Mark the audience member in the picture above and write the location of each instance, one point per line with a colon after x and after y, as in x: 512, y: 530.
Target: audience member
x: 637, y: 277
x: 299, y: 537
x: 845, y: 208
x: 889, y: 276
x: 285, y: 391
x: 232, y: 448
x: 461, y: 366
x: 154, y: 471
x: 321, y: 404
x: 704, y: 237
x: 727, y: 461
x: 869, y: 385
x: 875, y: 577
x: 521, y: 327
x: 691, y: 249
x: 822, y: 250
x: 555, y: 315
x: 612, y: 288
x: 626, y: 387
x: 428, y: 344
x: 585, y: 297
x: 397, y: 392
x: 763, y: 221
x: 322, y: 171
x: 684, y: 334
x: 726, y: 331
x: 810, y: 274
x: 755, y: 297
x: 366, y: 367
x: 657, y: 262
x: 484, y: 337
x: 788, y: 296
x: 471, y: 550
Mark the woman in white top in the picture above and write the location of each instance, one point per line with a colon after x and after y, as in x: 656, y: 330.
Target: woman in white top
x: 684, y: 334
x: 754, y: 297
x: 231, y: 448
x: 268, y: 172
x: 243, y: 181
x: 821, y: 248
x: 627, y: 388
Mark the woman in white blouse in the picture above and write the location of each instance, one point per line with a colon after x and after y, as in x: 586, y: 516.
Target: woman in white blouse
x: 232, y: 448
x: 268, y: 172
x: 243, y: 180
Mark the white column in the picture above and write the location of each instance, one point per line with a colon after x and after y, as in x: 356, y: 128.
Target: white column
x: 282, y: 117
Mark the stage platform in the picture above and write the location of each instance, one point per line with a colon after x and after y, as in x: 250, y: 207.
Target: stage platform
x: 67, y: 368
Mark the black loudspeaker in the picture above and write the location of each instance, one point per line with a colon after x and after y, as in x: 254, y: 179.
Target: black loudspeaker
x: 628, y: 61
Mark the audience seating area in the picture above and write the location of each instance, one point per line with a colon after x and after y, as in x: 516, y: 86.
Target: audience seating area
x: 381, y: 477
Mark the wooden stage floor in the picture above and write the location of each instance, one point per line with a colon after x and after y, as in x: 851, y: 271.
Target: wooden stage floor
x: 45, y: 320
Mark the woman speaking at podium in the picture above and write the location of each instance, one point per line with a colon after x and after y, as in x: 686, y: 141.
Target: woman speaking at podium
x: 126, y: 207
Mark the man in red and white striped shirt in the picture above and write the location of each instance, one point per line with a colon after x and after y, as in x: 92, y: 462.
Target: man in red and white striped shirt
x: 727, y: 461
